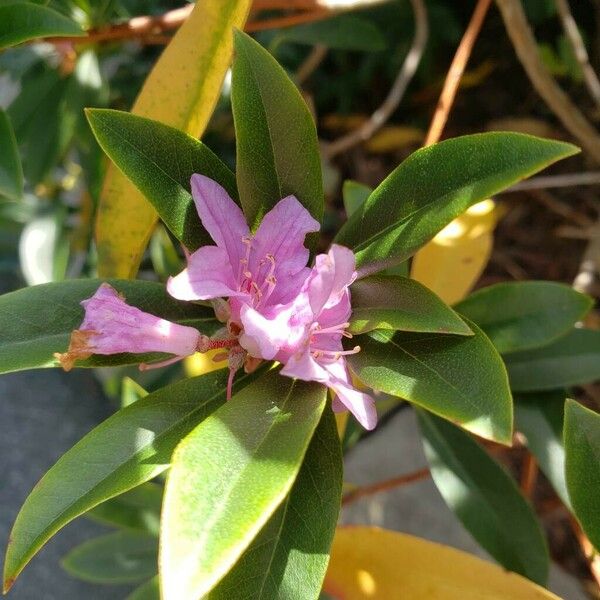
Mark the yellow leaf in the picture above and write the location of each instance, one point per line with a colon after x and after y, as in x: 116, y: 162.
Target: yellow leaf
x: 181, y: 90
x: 341, y: 419
x: 394, y: 137
x: 202, y: 363
x: 368, y: 563
x: 453, y: 261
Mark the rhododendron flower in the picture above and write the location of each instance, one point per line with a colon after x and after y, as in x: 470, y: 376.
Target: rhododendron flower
x: 306, y: 335
x: 112, y: 326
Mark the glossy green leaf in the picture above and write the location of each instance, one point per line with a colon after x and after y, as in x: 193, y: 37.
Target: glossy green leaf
x: 147, y: 591
x: 435, y: 185
x: 571, y: 360
x: 288, y: 558
x: 36, y: 322
x: 485, y: 499
x: 459, y: 378
x: 251, y: 448
x: 277, y: 147
x: 354, y: 195
x: 539, y: 417
x: 130, y: 448
x: 11, y: 172
x: 525, y: 314
x: 389, y: 302
x: 343, y: 32
x: 22, y: 21
x: 137, y: 510
x: 160, y: 161
x: 121, y: 557
x: 582, y: 466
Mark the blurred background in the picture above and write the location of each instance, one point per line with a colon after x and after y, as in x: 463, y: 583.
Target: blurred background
x: 373, y: 78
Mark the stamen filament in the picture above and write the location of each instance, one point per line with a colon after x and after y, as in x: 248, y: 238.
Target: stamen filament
x: 162, y: 363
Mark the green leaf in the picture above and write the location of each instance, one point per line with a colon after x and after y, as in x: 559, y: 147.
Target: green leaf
x: 582, y: 466
x: 11, y: 172
x: 121, y: 557
x: 435, y: 185
x: 354, y: 195
x: 22, y: 21
x: 389, y: 302
x: 343, y: 32
x: 539, y: 417
x: 277, y: 147
x: 147, y: 591
x: 459, y: 378
x: 130, y: 448
x: 36, y: 322
x: 137, y: 509
x: 485, y: 499
x: 251, y: 448
x: 571, y: 360
x: 160, y: 160
x: 288, y: 558
x: 526, y: 314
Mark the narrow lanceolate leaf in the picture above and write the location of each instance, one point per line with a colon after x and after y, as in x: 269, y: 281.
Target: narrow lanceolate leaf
x: 11, y: 172
x: 147, y: 591
x: 435, y: 185
x: 130, y: 448
x: 570, y: 360
x: 136, y: 510
x: 344, y: 32
x: 277, y: 147
x: 121, y: 557
x: 525, y: 314
x: 582, y: 447
x: 180, y: 91
x: 389, y: 302
x: 485, y: 498
x: 539, y: 417
x: 288, y: 558
x: 37, y: 321
x: 250, y: 448
x: 369, y: 558
x: 459, y: 378
x: 354, y: 195
x: 22, y: 21
x: 160, y: 161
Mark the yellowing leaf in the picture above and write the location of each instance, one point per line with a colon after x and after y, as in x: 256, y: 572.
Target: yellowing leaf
x: 368, y: 563
x: 201, y: 363
x: 181, y: 91
x: 394, y: 137
x: 452, y: 262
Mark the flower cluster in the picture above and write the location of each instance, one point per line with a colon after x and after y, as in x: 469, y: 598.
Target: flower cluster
x: 277, y: 308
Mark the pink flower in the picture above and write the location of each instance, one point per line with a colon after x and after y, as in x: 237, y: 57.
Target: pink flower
x: 112, y: 326
x: 260, y: 270
x: 306, y: 335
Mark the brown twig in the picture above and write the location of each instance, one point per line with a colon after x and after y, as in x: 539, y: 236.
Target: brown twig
x: 574, y: 36
x: 288, y: 20
x: 457, y: 68
x: 529, y: 474
x: 526, y: 48
x: 591, y: 556
x: 389, y: 105
x: 383, y: 486
x: 556, y: 181
x: 311, y: 63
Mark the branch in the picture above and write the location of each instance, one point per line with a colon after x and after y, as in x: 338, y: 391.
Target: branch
x: 457, y: 68
x: 525, y: 46
x: 570, y: 26
x: 407, y: 71
x: 382, y: 486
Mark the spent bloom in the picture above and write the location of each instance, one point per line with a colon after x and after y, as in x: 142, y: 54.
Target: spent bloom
x: 276, y: 307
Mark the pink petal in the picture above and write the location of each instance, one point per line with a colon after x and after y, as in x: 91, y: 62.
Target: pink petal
x: 221, y: 217
x: 112, y: 326
x: 208, y: 275
x: 332, y: 274
x: 281, y: 234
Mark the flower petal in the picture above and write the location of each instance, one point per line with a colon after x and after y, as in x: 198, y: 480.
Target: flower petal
x: 221, y: 217
x: 208, y: 275
x: 281, y: 234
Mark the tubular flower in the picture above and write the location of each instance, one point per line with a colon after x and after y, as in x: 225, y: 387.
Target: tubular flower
x: 306, y: 335
x: 112, y: 326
